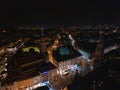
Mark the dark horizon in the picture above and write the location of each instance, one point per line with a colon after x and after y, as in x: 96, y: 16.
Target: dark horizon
x: 53, y: 12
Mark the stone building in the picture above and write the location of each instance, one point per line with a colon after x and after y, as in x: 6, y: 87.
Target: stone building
x: 28, y: 69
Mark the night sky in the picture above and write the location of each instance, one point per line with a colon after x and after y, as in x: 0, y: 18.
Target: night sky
x: 59, y: 12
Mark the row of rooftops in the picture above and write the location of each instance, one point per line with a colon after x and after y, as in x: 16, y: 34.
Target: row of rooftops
x: 44, y: 68
x: 24, y: 65
x: 22, y: 60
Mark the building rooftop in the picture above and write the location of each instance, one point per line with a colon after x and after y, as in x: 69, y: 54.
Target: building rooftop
x: 26, y: 64
x: 10, y: 79
x: 46, y: 67
x: 31, y: 71
x: 65, y: 52
x: 27, y: 55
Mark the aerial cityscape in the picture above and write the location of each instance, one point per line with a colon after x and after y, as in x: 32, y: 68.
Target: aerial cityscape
x: 60, y: 45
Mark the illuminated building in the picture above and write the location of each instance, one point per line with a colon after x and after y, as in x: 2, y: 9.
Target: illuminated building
x: 12, y: 48
x: 28, y: 69
x: 68, y: 60
x: 42, y: 88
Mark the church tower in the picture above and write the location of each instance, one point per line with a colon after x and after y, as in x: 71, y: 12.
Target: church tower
x: 99, y: 51
x: 43, y: 42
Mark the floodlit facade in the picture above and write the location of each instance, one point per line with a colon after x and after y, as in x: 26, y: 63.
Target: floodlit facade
x: 28, y: 70
x: 68, y: 60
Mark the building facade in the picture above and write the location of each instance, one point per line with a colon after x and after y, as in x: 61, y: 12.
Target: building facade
x: 29, y: 69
